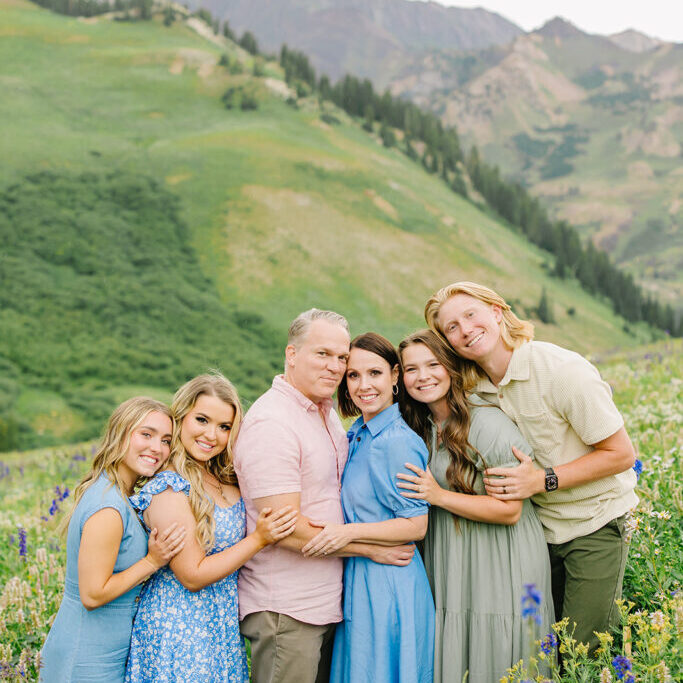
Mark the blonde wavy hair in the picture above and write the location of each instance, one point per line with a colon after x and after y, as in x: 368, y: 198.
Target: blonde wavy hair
x: 114, y: 446
x: 513, y: 331
x: 220, y: 466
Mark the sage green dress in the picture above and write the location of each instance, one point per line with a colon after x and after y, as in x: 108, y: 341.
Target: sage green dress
x: 478, y: 571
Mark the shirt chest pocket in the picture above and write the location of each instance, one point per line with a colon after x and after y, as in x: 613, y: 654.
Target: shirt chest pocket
x: 538, y: 429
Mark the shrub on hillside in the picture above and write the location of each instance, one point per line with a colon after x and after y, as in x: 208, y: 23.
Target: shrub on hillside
x: 240, y: 97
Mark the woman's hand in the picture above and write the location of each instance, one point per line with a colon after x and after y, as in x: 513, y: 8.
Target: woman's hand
x: 331, y: 538
x: 272, y: 527
x: 422, y: 485
x: 161, y: 548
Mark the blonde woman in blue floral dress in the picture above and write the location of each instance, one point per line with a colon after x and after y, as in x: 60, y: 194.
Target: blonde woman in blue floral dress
x: 187, y: 627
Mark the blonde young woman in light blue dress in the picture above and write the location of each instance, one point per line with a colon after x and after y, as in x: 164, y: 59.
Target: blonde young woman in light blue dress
x: 108, y: 553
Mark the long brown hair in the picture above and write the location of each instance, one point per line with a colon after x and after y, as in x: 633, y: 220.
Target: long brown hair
x: 114, y: 446
x: 461, y: 472
x: 220, y: 466
x: 381, y: 346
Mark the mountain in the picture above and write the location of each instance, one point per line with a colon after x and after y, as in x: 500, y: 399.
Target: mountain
x: 149, y: 233
x: 594, y: 129
x: 368, y: 38
x: 635, y: 41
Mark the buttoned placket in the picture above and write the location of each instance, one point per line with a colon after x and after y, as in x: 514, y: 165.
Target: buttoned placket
x: 334, y: 445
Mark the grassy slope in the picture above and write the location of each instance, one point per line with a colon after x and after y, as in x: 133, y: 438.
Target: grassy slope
x: 284, y: 212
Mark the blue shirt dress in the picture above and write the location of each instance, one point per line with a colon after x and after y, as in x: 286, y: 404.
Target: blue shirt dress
x: 83, y: 645
x: 182, y: 636
x: 388, y: 630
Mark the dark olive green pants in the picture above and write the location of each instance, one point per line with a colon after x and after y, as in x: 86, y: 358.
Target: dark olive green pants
x: 285, y: 650
x: 587, y: 574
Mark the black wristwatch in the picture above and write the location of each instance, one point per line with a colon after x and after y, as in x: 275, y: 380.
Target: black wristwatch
x: 550, y: 479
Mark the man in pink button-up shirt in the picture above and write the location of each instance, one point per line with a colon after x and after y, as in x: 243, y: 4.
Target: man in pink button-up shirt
x: 291, y: 451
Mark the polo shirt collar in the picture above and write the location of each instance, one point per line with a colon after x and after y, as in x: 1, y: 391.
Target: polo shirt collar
x: 518, y: 370
x: 282, y: 385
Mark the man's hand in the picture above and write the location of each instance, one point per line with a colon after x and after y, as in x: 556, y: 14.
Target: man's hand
x: 515, y: 483
x: 397, y: 555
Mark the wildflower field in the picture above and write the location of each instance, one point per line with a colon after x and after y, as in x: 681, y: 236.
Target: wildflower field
x: 35, y: 491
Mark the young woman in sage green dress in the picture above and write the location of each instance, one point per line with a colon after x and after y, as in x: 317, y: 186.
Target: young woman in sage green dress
x: 480, y: 553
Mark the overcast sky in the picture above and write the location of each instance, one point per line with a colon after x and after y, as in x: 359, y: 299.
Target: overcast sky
x: 656, y: 18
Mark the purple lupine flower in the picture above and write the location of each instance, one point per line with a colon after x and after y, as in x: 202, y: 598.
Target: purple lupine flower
x: 53, y: 508
x: 549, y: 643
x: 530, y: 602
x: 638, y: 468
x: 622, y: 665
x: 22, y: 542
x: 12, y: 539
x: 78, y: 456
x: 65, y: 493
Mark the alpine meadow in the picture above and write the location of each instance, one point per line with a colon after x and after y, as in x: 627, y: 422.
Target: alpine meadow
x: 171, y: 198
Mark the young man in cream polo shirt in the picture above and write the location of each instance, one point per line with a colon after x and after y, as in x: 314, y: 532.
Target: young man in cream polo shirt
x: 585, y: 485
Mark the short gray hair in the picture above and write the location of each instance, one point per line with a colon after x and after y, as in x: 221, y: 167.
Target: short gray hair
x: 302, y: 323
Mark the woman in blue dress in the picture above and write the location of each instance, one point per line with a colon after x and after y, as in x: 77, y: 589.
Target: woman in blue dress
x: 388, y: 630
x: 108, y: 554
x: 187, y: 628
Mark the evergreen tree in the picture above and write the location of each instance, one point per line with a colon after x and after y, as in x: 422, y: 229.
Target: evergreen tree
x: 544, y: 310
x: 387, y: 135
x: 248, y: 42
x: 227, y: 31
x: 369, y: 122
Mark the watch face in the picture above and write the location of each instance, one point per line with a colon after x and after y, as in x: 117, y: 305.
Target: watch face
x: 550, y: 482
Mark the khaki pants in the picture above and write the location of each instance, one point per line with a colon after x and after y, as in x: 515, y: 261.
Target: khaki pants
x: 587, y: 574
x: 285, y: 650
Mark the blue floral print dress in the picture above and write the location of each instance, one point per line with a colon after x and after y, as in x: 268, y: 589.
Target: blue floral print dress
x: 183, y: 636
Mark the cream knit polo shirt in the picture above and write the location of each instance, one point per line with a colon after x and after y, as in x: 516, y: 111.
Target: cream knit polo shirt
x: 562, y: 406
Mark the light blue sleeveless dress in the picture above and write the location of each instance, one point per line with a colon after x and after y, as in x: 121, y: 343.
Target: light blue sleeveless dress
x: 387, y: 635
x: 83, y: 645
x: 189, y: 637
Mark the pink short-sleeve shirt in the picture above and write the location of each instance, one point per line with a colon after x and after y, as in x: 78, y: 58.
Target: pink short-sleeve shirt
x: 285, y: 447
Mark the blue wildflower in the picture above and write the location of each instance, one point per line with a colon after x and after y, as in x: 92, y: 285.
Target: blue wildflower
x: 22, y: 542
x: 530, y: 602
x: 622, y: 665
x: 549, y: 643
x: 638, y: 468
x: 53, y: 508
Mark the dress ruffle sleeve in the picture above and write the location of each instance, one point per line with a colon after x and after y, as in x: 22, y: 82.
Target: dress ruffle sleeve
x: 158, y: 484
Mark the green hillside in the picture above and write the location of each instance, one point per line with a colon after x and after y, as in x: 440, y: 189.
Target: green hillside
x: 149, y: 233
